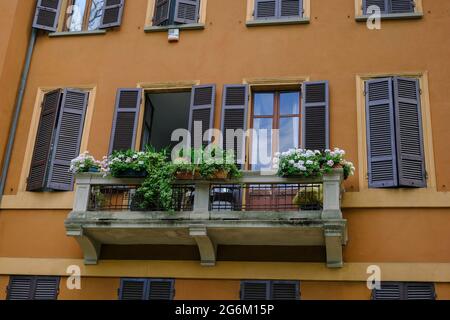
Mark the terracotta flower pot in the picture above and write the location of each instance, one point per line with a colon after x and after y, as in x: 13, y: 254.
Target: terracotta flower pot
x: 222, y: 175
x: 185, y: 175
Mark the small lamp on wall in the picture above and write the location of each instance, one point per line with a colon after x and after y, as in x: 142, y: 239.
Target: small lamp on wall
x: 173, y: 35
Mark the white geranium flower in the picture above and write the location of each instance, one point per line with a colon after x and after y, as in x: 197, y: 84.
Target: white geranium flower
x: 330, y: 163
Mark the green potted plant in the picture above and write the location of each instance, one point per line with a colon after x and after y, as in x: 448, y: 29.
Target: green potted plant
x: 218, y: 164
x: 85, y: 163
x: 128, y: 164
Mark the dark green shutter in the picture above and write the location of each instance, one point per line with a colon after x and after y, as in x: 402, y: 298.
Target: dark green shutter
x: 133, y: 289
x: 161, y: 289
x: 67, y: 138
x: 112, y: 13
x: 410, y: 151
x: 202, y: 111
x: 44, y: 137
x: 47, y: 14
x: 186, y: 11
x: 126, y: 117
x: 255, y: 290
x: 382, y: 159
x: 234, y: 117
x: 315, y: 115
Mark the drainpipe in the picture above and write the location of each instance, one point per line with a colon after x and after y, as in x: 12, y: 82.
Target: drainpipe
x: 17, y: 110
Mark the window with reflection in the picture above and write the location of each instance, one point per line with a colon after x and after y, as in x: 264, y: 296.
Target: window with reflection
x: 274, y: 110
x: 84, y: 15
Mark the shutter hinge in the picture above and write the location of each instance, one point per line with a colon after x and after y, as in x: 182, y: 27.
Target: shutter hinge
x: 420, y: 91
x: 368, y: 176
x: 364, y: 93
x: 426, y: 175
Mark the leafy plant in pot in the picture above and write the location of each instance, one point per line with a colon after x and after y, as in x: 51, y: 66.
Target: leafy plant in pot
x: 218, y: 164
x: 128, y: 164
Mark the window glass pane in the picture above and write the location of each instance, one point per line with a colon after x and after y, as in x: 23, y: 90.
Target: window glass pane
x: 262, y: 144
x: 263, y: 104
x: 289, y: 103
x: 76, y: 14
x: 95, y: 15
x: 289, y: 133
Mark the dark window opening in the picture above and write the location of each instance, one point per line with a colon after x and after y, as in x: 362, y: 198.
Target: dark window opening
x: 164, y: 113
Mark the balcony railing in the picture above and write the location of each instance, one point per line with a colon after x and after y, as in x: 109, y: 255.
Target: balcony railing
x: 205, y: 210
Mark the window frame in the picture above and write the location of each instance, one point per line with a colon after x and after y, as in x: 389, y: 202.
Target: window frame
x: 251, y: 21
x: 276, y: 116
x: 149, y: 27
x: 362, y: 132
x: 360, y: 16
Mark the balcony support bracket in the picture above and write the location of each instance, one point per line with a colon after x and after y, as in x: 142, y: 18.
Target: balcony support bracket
x: 90, y: 247
x: 205, y: 245
x: 335, y: 238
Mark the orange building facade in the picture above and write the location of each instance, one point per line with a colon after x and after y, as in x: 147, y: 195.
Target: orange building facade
x: 400, y: 229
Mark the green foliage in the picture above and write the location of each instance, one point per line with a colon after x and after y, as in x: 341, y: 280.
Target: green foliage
x: 123, y: 161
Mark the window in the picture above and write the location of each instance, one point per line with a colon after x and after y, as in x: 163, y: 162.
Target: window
x: 147, y: 289
x: 270, y: 290
x: 394, y: 133
x: 390, y: 6
x: 58, y: 140
x: 404, y: 291
x: 301, y: 116
x: 78, y: 15
x: 278, y: 9
x: 32, y: 288
x: 176, y: 12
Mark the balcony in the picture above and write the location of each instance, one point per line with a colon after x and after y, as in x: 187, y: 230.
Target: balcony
x: 253, y: 210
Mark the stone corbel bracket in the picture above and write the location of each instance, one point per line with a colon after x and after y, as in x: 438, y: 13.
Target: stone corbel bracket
x: 205, y: 245
x: 335, y: 234
x: 90, y: 247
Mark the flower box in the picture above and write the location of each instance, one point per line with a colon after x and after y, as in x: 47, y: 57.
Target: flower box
x: 130, y: 173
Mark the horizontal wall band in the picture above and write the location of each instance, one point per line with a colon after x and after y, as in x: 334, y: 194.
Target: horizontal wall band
x: 426, y: 272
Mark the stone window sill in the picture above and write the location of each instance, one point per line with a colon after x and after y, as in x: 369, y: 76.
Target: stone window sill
x: 393, y: 16
x: 275, y: 22
x: 190, y: 26
x: 76, y: 33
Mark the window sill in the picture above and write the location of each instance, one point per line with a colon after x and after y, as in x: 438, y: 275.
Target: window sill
x: 189, y: 26
x: 393, y: 16
x: 275, y: 22
x: 76, y: 33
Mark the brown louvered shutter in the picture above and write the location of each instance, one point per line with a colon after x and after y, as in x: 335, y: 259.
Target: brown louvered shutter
x: 46, y: 288
x: 161, y: 289
x: 408, y: 127
x: 162, y: 11
x: 202, y: 111
x: 315, y: 115
x: 381, y: 149
x: 291, y: 8
x: 67, y: 138
x: 133, y: 289
x: 42, y: 147
x: 234, y: 117
x: 255, y: 290
x: 47, y: 14
x: 186, y: 11
x: 112, y: 13
x: 285, y: 290
x: 128, y: 104
x: 20, y: 288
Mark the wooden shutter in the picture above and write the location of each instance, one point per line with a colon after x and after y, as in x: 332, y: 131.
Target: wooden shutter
x: 291, y: 8
x: 255, y: 290
x: 234, y: 117
x: 20, y: 288
x: 186, y: 11
x: 67, y: 138
x: 47, y: 14
x: 388, y: 291
x: 419, y: 291
x: 285, y: 290
x: 408, y: 126
x: 162, y: 11
x: 402, y: 6
x: 202, y: 109
x: 266, y: 9
x: 126, y: 117
x: 133, y: 289
x: 161, y: 289
x: 382, y: 159
x: 44, y: 137
x: 112, y: 13
x: 46, y: 288
x: 315, y: 115
x: 382, y: 4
